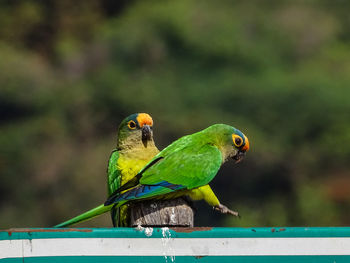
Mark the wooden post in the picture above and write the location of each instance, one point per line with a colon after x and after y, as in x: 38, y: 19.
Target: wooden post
x: 161, y: 213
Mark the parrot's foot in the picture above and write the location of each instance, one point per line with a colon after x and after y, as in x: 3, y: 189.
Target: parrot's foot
x: 224, y: 210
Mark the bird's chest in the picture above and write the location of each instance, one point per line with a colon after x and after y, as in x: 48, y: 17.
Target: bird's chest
x: 129, y: 168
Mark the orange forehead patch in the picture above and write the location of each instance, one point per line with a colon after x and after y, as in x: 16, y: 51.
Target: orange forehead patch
x: 246, y: 145
x: 144, y: 119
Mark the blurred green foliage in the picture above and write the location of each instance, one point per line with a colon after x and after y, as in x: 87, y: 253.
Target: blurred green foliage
x: 277, y: 70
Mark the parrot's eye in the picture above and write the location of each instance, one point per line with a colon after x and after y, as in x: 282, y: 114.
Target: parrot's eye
x: 237, y: 140
x: 131, y: 125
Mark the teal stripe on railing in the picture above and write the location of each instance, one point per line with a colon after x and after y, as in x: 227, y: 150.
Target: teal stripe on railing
x: 200, y: 245
x: 150, y: 259
x: 37, y: 233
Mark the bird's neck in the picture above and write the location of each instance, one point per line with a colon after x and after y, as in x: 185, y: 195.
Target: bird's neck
x: 226, y: 152
x: 134, y: 148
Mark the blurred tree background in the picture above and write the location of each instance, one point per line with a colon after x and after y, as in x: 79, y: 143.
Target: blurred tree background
x: 70, y: 71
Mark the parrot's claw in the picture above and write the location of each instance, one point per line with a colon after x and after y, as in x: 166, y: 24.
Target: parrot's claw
x: 224, y: 210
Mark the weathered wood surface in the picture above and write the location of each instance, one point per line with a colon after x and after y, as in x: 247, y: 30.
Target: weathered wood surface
x: 162, y: 213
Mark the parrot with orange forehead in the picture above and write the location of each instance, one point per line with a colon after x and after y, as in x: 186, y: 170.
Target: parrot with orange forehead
x: 135, y: 148
x: 185, y: 167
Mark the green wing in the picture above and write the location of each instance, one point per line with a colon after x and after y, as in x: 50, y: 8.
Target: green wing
x: 190, y: 167
x: 113, y: 174
x: 186, y: 168
x: 176, y: 146
x: 114, y: 182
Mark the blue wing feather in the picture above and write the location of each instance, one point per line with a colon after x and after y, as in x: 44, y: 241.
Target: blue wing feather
x: 144, y: 191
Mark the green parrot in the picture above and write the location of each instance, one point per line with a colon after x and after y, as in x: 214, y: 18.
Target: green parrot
x: 135, y: 148
x: 185, y: 167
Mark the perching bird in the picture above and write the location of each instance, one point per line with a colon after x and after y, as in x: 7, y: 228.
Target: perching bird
x: 135, y: 148
x: 185, y: 168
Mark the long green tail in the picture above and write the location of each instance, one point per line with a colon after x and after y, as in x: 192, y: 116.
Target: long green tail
x: 86, y: 216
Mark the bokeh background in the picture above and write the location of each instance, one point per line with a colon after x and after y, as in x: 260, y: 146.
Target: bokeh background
x: 70, y: 71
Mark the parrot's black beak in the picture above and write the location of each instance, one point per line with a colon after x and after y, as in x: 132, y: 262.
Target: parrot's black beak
x: 146, y: 133
x: 239, y: 156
